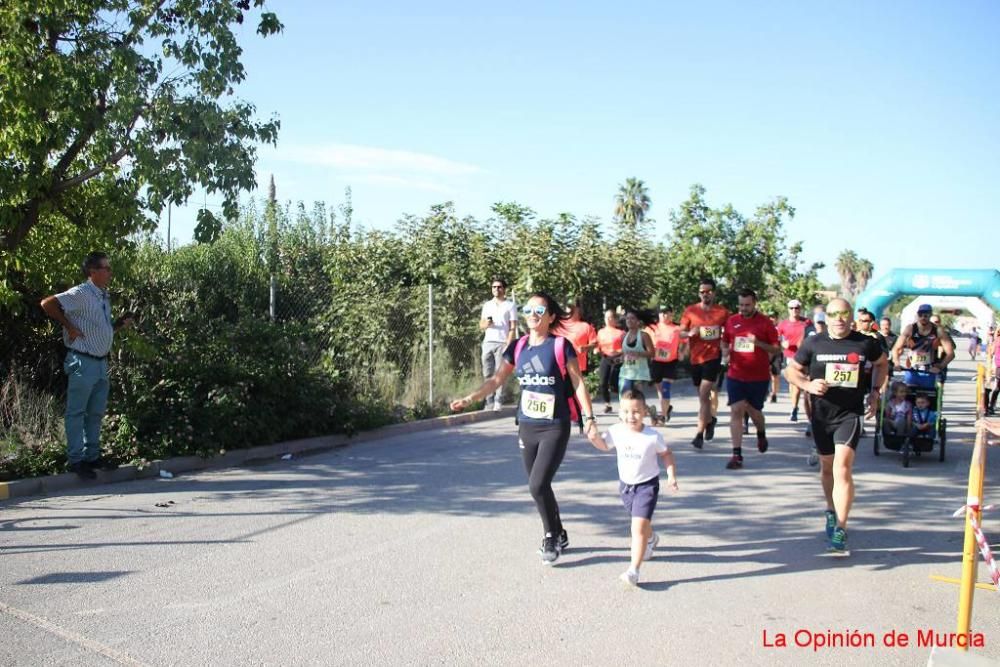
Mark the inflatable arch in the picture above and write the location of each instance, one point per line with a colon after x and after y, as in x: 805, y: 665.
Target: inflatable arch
x: 983, y: 284
x: 975, y: 305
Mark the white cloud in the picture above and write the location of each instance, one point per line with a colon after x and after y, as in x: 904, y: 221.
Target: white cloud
x: 404, y: 182
x: 348, y: 157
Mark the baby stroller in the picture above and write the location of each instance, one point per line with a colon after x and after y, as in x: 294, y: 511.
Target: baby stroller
x: 915, y: 444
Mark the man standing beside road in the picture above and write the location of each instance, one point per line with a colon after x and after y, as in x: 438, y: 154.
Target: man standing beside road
x: 498, y: 321
x: 830, y: 367
x: 792, y: 331
x: 701, y: 325
x: 748, y: 342
x: 84, y: 312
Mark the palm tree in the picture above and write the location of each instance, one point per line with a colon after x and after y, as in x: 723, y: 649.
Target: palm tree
x: 632, y: 202
x: 855, y: 272
x: 847, y: 265
x: 862, y: 274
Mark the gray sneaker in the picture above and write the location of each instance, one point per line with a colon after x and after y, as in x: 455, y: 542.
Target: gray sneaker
x: 650, y: 545
x: 549, y: 549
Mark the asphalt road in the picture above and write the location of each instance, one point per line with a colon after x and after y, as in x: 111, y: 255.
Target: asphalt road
x: 421, y: 550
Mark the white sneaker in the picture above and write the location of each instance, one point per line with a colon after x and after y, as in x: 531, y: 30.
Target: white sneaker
x: 630, y: 577
x: 650, y: 545
x: 497, y: 407
x: 813, y: 458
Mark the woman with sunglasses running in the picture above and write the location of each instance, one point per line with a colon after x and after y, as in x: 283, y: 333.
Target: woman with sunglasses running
x: 543, y: 411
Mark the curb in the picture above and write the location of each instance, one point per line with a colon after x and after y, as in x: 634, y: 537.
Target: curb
x: 54, y: 484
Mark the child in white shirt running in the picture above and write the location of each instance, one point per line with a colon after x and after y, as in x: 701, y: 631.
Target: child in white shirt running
x: 638, y: 447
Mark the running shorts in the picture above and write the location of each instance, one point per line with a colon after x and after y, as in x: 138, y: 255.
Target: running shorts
x: 708, y: 371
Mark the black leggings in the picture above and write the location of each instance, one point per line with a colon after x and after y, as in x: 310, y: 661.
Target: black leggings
x: 609, y: 377
x: 543, y: 447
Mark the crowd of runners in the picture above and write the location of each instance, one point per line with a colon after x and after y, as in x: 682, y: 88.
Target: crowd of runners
x: 837, y: 364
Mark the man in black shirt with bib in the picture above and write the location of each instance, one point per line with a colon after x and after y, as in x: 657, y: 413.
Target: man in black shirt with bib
x: 831, y: 367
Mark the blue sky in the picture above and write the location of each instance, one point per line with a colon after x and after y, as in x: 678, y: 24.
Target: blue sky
x: 879, y: 121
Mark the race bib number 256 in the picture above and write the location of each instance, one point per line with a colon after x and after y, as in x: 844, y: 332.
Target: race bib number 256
x: 538, y: 406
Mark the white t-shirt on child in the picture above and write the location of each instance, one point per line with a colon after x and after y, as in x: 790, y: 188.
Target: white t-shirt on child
x: 637, y: 452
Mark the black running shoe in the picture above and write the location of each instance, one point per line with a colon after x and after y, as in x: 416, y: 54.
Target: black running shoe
x: 101, y: 463
x: 710, y: 429
x: 83, y: 471
x: 670, y: 409
x: 549, y: 550
x: 698, y: 442
x: 563, y: 540
x: 761, y: 443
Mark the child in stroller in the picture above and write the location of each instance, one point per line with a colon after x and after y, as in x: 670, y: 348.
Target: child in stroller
x: 898, y: 417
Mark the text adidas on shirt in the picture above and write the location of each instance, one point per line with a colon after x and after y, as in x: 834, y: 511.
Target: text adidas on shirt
x: 536, y: 380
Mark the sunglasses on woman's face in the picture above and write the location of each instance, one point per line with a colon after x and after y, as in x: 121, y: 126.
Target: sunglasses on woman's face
x: 537, y: 310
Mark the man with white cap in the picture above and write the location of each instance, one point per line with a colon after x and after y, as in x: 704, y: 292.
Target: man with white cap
x: 791, y: 333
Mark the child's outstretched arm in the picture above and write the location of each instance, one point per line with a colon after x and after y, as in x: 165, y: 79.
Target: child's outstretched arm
x: 670, y: 464
x: 597, y: 440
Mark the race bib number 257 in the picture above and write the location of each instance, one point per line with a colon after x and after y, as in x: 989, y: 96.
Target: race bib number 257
x: 843, y: 375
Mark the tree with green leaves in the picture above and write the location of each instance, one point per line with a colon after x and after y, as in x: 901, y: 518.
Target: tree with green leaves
x: 854, y: 272
x: 736, y: 251
x: 111, y: 110
x: 632, y: 203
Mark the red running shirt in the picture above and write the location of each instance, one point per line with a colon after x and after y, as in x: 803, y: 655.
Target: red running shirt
x: 666, y: 341
x: 793, y: 331
x: 747, y: 361
x: 705, y: 344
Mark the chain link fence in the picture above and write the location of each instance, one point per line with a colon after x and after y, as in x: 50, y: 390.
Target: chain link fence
x: 413, y: 345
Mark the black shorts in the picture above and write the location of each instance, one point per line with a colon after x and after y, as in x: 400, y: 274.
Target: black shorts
x: 844, y: 429
x: 709, y: 371
x: 753, y: 393
x: 662, y: 370
x: 777, y: 363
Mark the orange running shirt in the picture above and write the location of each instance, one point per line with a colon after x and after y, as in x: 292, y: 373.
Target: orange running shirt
x: 580, y: 334
x: 609, y: 341
x: 707, y: 341
x: 666, y: 341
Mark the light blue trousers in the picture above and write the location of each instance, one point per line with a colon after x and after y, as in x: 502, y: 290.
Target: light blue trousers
x: 86, y: 401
